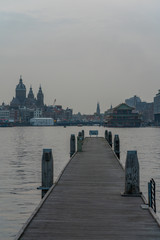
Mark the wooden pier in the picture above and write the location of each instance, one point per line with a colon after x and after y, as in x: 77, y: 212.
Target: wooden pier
x: 86, y: 203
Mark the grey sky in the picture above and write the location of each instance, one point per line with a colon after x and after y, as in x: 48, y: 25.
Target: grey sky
x: 81, y: 51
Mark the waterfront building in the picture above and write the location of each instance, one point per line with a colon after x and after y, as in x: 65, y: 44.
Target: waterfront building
x: 4, y: 114
x: 68, y: 114
x: 157, y: 108
x: 133, y: 101
x: 123, y: 116
x: 41, y: 121
x: 26, y: 114
x: 38, y: 113
x: 145, y: 109
x: 20, y: 99
x: 15, y: 115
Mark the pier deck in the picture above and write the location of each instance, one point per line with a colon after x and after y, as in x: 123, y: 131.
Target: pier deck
x: 87, y: 204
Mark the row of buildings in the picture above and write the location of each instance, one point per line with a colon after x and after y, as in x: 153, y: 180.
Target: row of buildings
x: 23, y: 109
x: 134, y: 113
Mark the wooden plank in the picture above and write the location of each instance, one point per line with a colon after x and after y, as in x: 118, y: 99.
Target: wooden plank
x: 87, y: 203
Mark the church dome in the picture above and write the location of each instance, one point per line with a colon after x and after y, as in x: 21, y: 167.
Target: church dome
x: 21, y: 91
x: 20, y: 86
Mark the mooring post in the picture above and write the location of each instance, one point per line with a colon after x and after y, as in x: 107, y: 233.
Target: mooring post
x: 83, y: 134
x: 79, y: 144
x: 80, y: 134
x: 132, y: 174
x: 117, y: 146
x: 47, y: 170
x: 106, y: 135
x: 150, y: 194
x: 72, y: 145
x: 110, y: 138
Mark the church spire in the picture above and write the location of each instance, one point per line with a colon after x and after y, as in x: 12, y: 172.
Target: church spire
x: 31, y: 94
x: 98, y: 109
x: 40, y: 98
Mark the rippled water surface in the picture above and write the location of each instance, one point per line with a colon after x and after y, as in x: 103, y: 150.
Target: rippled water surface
x: 20, y: 165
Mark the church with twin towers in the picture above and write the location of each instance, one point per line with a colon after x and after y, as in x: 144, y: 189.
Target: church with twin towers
x: 29, y: 101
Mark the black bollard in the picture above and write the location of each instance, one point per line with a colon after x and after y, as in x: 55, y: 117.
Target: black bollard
x: 110, y: 138
x: 47, y: 171
x: 72, y: 145
x: 117, y: 146
x: 83, y: 134
x: 106, y: 135
x: 79, y: 144
x: 132, y: 174
x: 80, y: 134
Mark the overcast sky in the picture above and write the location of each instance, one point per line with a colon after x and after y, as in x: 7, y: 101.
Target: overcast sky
x: 81, y: 51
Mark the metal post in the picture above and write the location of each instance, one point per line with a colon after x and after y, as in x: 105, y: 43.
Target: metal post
x: 132, y: 173
x: 152, y: 194
x: 106, y: 135
x: 72, y: 145
x: 117, y: 146
x: 110, y: 138
x: 47, y: 171
x: 79, y: 144
x: 149, y: 194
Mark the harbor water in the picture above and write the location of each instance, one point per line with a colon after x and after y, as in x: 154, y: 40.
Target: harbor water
x: 20, y: 165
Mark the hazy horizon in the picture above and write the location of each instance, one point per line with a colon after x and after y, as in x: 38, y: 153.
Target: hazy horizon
x: 81, y: 52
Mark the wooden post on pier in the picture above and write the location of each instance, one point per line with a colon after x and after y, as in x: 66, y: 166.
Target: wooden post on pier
x: 106, y: 135
x: 132, y: 174
x: 80, y: 134
x: 79, y: 144
x: 117, y: 146
x: 83, y: 135
x: 47, y: 170
x: 72, y: 145
x: 110, y: 138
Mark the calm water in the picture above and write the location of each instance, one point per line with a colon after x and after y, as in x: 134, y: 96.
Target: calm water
x: 20, y: 165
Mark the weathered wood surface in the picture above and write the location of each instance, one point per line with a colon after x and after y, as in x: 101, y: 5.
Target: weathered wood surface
x: 87, y: 202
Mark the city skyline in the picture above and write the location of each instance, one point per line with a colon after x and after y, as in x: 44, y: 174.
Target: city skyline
x: 29, y: 99
x: 81, y: 52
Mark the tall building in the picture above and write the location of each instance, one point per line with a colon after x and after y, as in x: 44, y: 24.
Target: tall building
x: 144, y: 108
x: 21, y: 91
x: 20, y: 99
x: 157, y: 108
x: 98, y: 109
x: 31, y: 94
x: 40, y: 98
x: 31, y: 100
x: 133, y: 101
